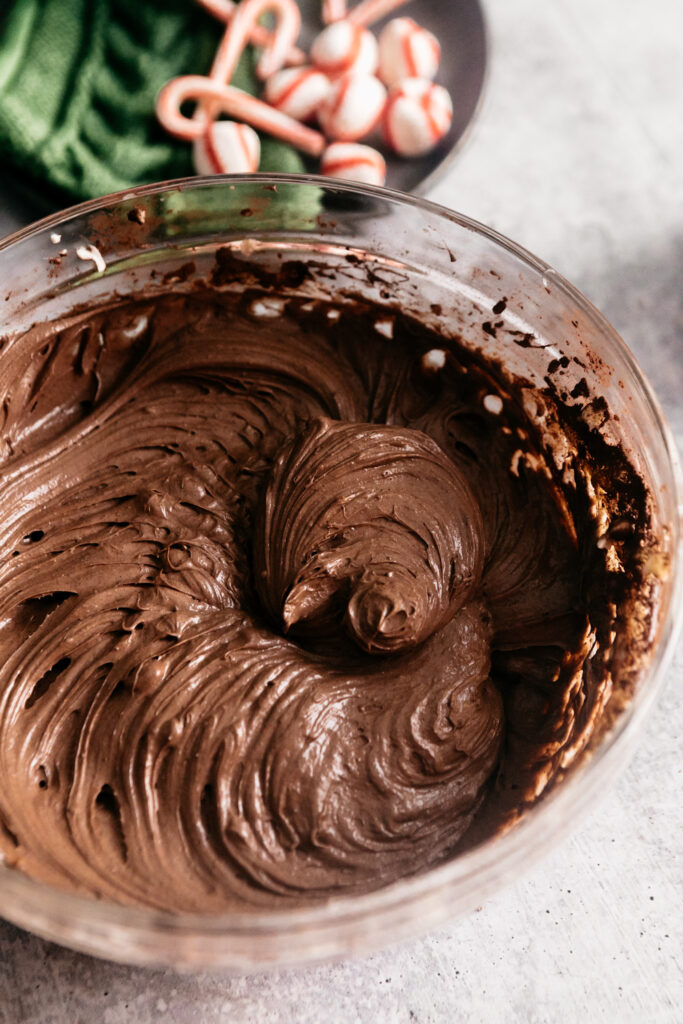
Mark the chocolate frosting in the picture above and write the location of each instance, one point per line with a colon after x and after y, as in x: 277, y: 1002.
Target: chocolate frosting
x: 281, y: 599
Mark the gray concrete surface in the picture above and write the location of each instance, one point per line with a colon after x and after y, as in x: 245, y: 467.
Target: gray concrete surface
x: 578, y: 155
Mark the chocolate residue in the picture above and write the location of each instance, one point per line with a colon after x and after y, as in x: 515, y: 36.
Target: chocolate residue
x: 284, y: 608
x: 138, y: 215
x: 580, y: 389
x: 179, y: 274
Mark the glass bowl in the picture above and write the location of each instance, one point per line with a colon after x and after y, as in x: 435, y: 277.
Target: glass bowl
x: 465, y: 280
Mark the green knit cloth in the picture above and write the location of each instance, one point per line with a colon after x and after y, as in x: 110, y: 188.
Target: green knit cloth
x: 78, y: 81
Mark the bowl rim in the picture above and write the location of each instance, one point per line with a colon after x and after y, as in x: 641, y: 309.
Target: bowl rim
x: 394, y: 906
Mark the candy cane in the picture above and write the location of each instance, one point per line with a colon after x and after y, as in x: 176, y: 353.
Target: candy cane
x: 333, y: 10
x: 223, y: 10
x: 238, y: 32
x: 226, y: 99
x: 369, y: 11
x: 214, y: 95
x: 240, y: 24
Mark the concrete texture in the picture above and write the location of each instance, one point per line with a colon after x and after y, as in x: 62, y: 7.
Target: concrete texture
x: 578, y: 155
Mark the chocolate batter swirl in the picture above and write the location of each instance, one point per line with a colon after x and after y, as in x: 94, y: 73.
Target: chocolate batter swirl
x: 375, y: 518
x: 252, y: 573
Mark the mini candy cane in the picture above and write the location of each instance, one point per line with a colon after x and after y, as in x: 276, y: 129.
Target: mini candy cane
x: 215, y: 96
x: 259, y: 35
x: 239, y: 27
x: 239, y: 30
x: 367, y: 12
x: 226, y: 99
x: 227, y: 148
x: 333, y: 10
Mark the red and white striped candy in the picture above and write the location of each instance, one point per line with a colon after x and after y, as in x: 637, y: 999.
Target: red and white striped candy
x: 355, y: 162
x: 352, y: 108
x: 343, y: 47
x: 417, y: 115
x: 406, y: 50
x: 235, y: 103
x: 227, y: 148
x: 297, y: 91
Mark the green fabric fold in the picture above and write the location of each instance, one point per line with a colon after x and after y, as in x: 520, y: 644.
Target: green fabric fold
x: 78, y: 82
